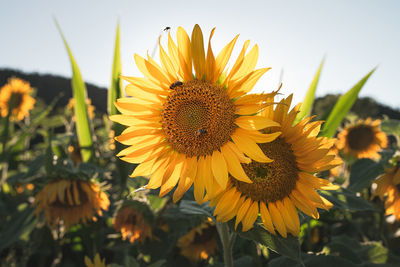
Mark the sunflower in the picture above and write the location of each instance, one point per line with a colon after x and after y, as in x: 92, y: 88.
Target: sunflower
x: 389, y: 184
x: 200, y: 242
x: 131, y: 222
x: 362, y: 140
x: 285, y: 184
x: 71, y: 201
x: 193, y: 128
x: 16, y: 94
x: 90, y: 107
x: 97, y: 262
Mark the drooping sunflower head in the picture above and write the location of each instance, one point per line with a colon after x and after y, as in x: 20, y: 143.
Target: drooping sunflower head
x: 200, y: 242
x: 15, y: 95
x: 281, y: 187
x: 97, y: 262
x: 190, y: 124
x: 71, y: 202
x: 388, y: 184
x: 133, y: 221
x: 362, y: 140
x: 90, y: 107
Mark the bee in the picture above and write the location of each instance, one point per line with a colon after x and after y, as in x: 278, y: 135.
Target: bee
x: 175, y: 84
x: 200, y: 132
x: 167, y: 28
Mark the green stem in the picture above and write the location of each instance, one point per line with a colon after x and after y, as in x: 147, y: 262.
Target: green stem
x: 227, y: 241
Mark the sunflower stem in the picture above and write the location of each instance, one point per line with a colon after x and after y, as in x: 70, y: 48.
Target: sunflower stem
x: 227, y: 241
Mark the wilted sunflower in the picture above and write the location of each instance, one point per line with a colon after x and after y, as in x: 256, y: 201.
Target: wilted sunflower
x: 90, y: 107
x: 389, y: 184
x: 16, y: 93
x: 285, y: 184
x: 71, y: 201
x: 362, y: 140
x: 193, y: 128
x: 200, y: 242
x: 97, y: 262
x: 132, y: 223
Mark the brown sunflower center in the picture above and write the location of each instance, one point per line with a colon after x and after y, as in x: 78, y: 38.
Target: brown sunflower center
x: 198, y: 118
x: 360, y: 137
x: 271, y: 181
x: 72, y: 197
x: 16, y: 100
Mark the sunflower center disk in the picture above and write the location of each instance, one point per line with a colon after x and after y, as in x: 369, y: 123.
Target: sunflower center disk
x: 360, y: 137
x: 198, y: 118
x: 271, y: 181
x: 71, y: 196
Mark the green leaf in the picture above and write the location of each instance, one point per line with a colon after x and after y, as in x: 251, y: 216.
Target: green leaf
x: 80, y: 108
x: 391, y: 126
x: 346, y: 199
x: 308, y: 101
x: 115, y: 91
x: 363, y: 171
x: 342, y: 106
x: 289, y: 247
x: 191, y: 207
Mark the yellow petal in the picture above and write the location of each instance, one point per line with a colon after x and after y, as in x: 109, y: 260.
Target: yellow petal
x: 219, y: 169
x: 184, y: 53
x: 233, y: 164
x: 199, y: 183
x: 247, y: 83
x: 249, y: 63
x: 223, y: 58
x: 250, y: 148
x: 210, y: 61
x: 250, y: 218
x: 199, y: 58
x: 277, y: 219
x: 242, y: 211
x: 151, y: 72
x: 257, y: 136
x: 266, y: 218
x: 255, y: 122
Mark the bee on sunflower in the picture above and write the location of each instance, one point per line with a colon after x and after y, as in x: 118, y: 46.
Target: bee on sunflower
x: 281, y: 187
x: 188, y: 128
x: 15, y: 98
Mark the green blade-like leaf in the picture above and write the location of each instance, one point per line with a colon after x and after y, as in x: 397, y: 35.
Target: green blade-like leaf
x: 342, y: 106
x: 308, y: 101
x: 115, y: 91
x: 80, y: 108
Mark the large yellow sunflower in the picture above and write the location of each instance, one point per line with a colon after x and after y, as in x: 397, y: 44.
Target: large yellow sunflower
x: 16, y: 91
x: 285, y: 184
x: 132, y: 224
x: 71, y: 201
x: 200, y: 242
x: 362, y: 140
x: 389, y: 184
x: 193, y: 128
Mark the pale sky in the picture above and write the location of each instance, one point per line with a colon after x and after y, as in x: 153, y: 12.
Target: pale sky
x: 354, y: 35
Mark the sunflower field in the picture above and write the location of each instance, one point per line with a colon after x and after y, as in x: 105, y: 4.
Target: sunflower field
x: 189, y: 168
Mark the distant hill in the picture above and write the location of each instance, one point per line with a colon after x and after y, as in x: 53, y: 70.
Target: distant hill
x: 364, y: 107
x: 50, y: 86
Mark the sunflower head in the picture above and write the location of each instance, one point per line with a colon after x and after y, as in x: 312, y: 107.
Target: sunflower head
x: 388, y: 184
x: 363, y: 139
x: 71, y: 201
x: 75, y: 152
x: 15, y: 96
x: 281, y: 187
x: 190, y: 120
x: 200, y: 242
x: 133, y: 220
x: 97, y: 262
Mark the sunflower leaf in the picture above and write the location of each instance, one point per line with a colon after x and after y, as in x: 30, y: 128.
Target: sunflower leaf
x: 308, y: 101
x: 342, y: 106
x: 346, y: 199
x: 363, y: 172
x: 80, y: 108
x: 115, y: 91
x: 289, y: 247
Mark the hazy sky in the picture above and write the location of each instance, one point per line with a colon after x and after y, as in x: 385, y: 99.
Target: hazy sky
x: 355, y: 37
